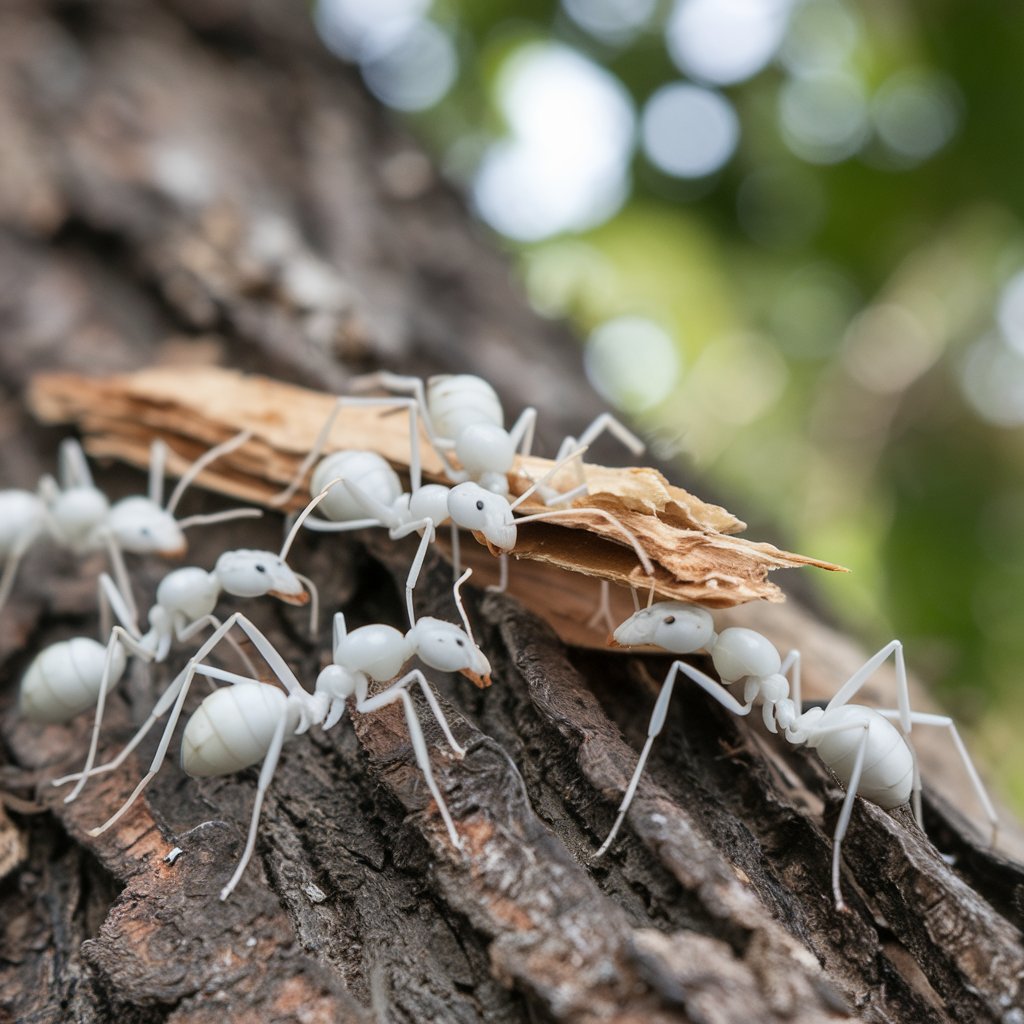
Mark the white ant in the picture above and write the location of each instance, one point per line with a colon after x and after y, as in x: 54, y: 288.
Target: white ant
x: 861, y: 746
x: 370, y: 495
x: 463, y: 414
x: 249, y: 721
x: 71, y: 675
x: 77, y: 515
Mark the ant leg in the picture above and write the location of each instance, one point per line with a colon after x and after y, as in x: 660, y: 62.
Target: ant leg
x: 320, y: 442
x: 118, y: 637
x: 945, y: 722
x: 399, y: 384
x: 607, y: 422
x: 14, y: 557
x: 502, y: 585
x: 456, y: 551
x: 855, y: 683
x: 187, y: 632
x: 415, y: 466
x: 72, y: 465
x: 523, y: 429
x: 204, y: 460
x: 157, y: 470
x: 792, y: 662
x: 429, y: 532
x: 851, y: 794
x: 417, y: 676
x: 121, y: 577
x: 602, y: 615
x: 419, y: 746
x: 657, y: 723
x: 266, y: 774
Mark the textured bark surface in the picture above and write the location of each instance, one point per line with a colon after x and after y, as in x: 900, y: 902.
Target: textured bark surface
x: 195, y: 180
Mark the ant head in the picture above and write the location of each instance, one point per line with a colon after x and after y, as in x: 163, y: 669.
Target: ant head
x: 474, y: 508
x: 672, y: 625
x: 485, y: 448
x: 429, y: 502
x: 247, y: 573
x: 446, y: 647
x: 141, y: 526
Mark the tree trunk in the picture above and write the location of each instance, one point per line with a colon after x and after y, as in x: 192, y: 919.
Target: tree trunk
x: 196, y: 180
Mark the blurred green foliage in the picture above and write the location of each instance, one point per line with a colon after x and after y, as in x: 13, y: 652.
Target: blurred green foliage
x: 832, y: 300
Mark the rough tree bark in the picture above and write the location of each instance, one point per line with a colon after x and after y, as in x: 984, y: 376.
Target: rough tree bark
x: 196, y: 180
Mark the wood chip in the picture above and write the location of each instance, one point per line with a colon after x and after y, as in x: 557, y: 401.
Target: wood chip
x: 691, y: 543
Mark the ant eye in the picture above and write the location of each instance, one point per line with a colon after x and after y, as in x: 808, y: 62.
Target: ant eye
x: 669, y: 619
x: 260, y: 568
x: 480, y: 506
x: 460, y: 643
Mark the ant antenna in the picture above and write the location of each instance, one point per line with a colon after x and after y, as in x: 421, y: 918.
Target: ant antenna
x: 650, y: 596
x: 557, y: 467
x: 201, y: 463
x: 302, y: 517
x: 556, y: 513
x: 157, y: 464
x: 458, y: 604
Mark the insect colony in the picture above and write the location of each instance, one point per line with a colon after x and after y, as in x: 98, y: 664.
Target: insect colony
x: 246, y: 721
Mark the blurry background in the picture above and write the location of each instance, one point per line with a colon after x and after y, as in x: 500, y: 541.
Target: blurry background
x: 788, y: 233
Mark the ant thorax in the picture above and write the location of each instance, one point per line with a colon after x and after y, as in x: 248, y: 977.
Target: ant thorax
x: 78, y: 514
x: 191, y: 591
x: 378, y: 650
x: 739, y: 652
x: 429, y: 502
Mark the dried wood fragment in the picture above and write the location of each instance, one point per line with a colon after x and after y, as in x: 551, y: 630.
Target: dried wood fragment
x: 691, y: 542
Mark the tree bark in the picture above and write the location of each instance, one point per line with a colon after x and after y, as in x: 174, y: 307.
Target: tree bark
x: 196, y: 180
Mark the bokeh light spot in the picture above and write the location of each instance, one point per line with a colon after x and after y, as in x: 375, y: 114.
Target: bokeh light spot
x: 632, y: 362
x: 612, y: 21
x: 566, y: 165
x: 821, y: 37
x: 887, y: 348
x: 688, y: 131
x: 725, y: 41
x: 413, y: 70
x: 992, y: 377
x: 1010, y: 311
x: 353, y: 28
x: 915, y: 113
x: 823, y: 116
